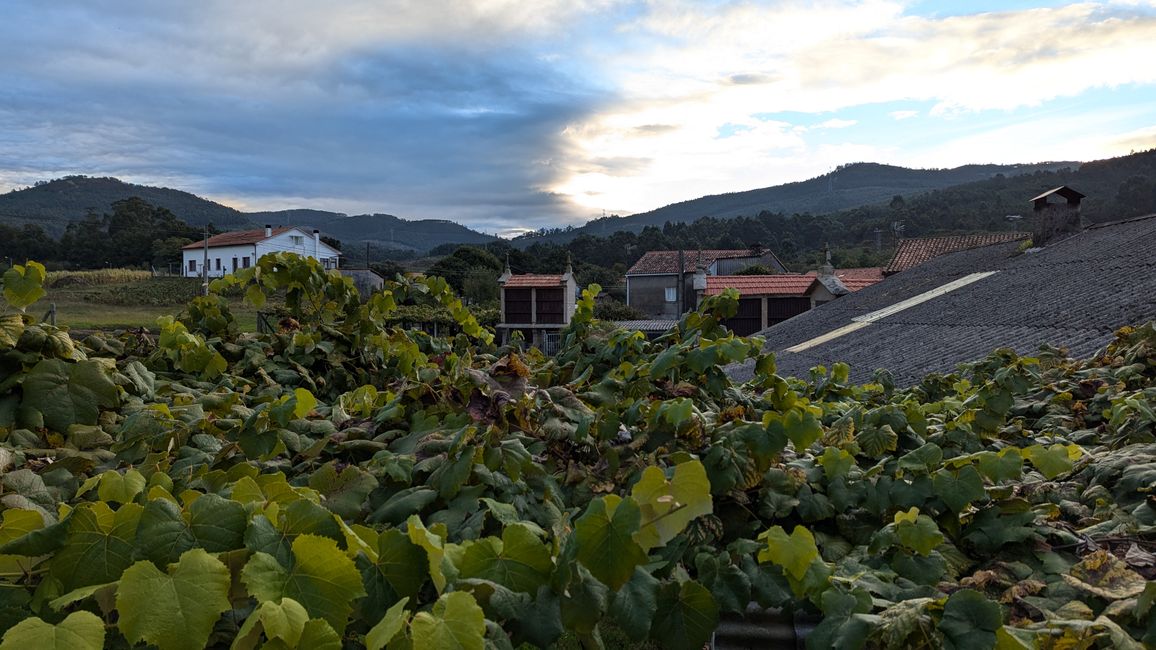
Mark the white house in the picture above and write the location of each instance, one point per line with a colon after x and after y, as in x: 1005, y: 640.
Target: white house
x: 241, y: 249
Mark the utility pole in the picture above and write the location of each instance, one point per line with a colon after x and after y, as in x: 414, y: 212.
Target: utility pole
x: 205, y: 265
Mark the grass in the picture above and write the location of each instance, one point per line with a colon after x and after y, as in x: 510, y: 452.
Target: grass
x: 112, y: 299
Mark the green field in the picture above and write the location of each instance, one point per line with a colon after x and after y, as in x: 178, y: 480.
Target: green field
x: 111, y: 299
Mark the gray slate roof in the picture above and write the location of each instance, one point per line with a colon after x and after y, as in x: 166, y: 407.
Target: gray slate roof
x: 1074, y: 293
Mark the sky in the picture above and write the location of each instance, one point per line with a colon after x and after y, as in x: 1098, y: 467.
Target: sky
x: 513, y: 115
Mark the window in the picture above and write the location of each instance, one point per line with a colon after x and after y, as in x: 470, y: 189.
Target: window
x: 192, y: 266
x: 234, y: 264
x: 218, y: 264
x: 671, y: 294
x: 297, y: 240
x: 245, y: 262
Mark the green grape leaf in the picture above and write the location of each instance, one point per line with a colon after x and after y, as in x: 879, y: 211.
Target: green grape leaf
x: 99, y: 546
x: 875, y: 441
x: 388, y: 627
x: 1005, y: 465
x: 970, y: 621
x: 320, y: 577
x: 24, y: 285
x: 69, y: 393
x: 283, y: 621
x: 959, y: 488
x: 79, y: 631
x: 668, y: 506
x: 398, y: 572
x: 794, y: 553
x: 305, y: 402
x: 344, y: 492
x: 635, y: 604
x: 686, y: 616
x: 431, y: 542
x: 456, y: 622
x: 802, y: 428
x: 605, y: 535
x: 836, y: 462
x: 519, y: 560
x: 318, y: 634
x: 121, y: 488
x: 1054, y: 460
x: 917, y: 532
x: 173, y: 610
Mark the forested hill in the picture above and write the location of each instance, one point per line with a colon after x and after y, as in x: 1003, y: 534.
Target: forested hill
x: 51, y: 205
x: 848, y: 186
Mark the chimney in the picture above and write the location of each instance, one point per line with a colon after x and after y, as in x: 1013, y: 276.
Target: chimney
x: 827, y: 269
x: 316, y: 243
x: 1052, y: 221
x: 268, y: 230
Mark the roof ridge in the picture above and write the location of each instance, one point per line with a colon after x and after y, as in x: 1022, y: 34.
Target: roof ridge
x: 1105, y: 224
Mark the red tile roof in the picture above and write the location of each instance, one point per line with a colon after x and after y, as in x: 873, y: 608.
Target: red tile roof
x: 856, y: 278
x: 667, y: 261
x: 782, y: 284
x: 913, y: 252
x: 237, y: 238
x: 534, y: 280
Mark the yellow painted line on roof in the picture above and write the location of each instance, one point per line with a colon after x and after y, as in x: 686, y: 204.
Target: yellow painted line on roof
x: 859, y: 322
x: 829, y: 336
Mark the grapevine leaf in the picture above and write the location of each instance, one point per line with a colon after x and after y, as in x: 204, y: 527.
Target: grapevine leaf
x: 875, y: 441
x: 431, y: 542
x: 970, y: 620
x: 1051, y: 461
x: 605, y: 535
x: 635, y: 604
x: 519, y: 560
x: 99, y: 546
x: 398, y: 572
x: 382, y: 633
x: 456, y: 622
x: 69, y: 393
x: 320, y: 577
x: 283, y: 621
x: 162, y: 535
x: 958, y: 489
x: 79, y: 631
x: 344, y: 491
x: 668, y: 506
x: 917, y: 532
x: 24, y: 285
x: 318, y: 634
x: 802, y: 428
x: 1005, y: 465
x: 11, y: 327
x: 174, y: 610
x: 217, y: 523
x: 305, y: 402
x: 836, y: 462
x: 794, y: 552
x: 687, y: 614
x: 1106, y: 576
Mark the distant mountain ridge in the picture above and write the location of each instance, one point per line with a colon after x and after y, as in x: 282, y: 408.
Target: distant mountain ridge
x: 849, y: 186
x: 53, y: 204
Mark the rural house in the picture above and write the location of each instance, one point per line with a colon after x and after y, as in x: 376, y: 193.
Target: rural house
x: 1073, y: 292
x: 653, y: 284
x: 913, y: 252
x: 537, y: 306
x: 765, y: 300
x: 239, y: 249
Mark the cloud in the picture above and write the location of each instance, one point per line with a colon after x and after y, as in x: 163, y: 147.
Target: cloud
x: 507, y: 114
x: 835, y: 123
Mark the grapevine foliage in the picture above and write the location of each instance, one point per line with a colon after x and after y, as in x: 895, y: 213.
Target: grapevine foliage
x: 347, y: 481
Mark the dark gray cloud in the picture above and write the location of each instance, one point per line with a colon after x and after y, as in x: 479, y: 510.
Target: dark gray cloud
x: 445, y: 130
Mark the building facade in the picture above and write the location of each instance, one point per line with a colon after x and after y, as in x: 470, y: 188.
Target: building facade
x: 229, y: 251
x: 661, y: 283
x: 538, y: 307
